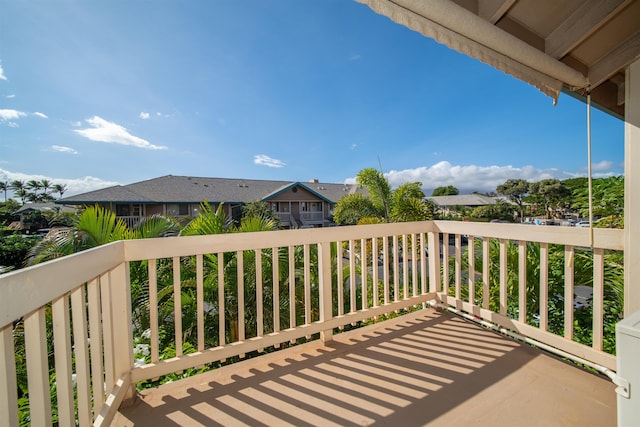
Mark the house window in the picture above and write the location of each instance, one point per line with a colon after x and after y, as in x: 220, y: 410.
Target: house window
x: 122, y: 210
x: 173, y: 210
x: 183, y: 210
x: 136, y: 210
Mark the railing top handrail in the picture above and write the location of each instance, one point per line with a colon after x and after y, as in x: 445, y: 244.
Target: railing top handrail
x: 136, y: 250
x: 603, y: 238
x: 27, y: 289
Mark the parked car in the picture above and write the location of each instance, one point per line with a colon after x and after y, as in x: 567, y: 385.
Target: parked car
x: 583, y: 224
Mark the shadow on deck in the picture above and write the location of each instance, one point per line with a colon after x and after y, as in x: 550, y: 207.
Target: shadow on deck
x: 425, y: 368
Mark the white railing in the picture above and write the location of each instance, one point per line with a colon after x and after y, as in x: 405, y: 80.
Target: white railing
x: 312, y: 217
x: 131, y: 221
x: 204, y: 299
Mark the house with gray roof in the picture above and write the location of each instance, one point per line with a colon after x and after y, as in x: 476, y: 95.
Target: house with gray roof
x: 297, y: 204
x: 446, y: 203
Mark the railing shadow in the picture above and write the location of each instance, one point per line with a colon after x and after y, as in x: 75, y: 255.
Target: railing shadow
x: 408, y: 371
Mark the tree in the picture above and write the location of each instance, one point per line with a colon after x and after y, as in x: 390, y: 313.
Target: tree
x: 351, y: 208
x: 19, y: 189
x: 449, y: 190
x: 259, y: 209
x: 515, y: 190
x: 4, y: 187
x: 405, y: 203
x: 60, y: 189
x: 608, y: 199
x: 378, y: 188
x: 408, y: 203
x: 551, y: 193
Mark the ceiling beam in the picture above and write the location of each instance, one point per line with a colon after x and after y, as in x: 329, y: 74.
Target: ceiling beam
x: 589, y: 17
x: 493, y: 10
x: 617, y: 59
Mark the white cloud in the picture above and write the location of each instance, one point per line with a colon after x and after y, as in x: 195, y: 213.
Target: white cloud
x: 104, y: 131
x: 2, y: 76
x: 74, y: 185
x: 7, y: 115
x: 39, y: 114
x: 63, y: 149
x: 144, y: 115
x: 355, y: 57
x: 261, y: 159
x: 10, y: 96
x: 472, y: 178
x: 603, y: 166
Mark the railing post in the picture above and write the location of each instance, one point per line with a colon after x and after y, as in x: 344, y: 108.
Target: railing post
x: 8, y: 381
x: 326, y: 306
x: 121, y: 323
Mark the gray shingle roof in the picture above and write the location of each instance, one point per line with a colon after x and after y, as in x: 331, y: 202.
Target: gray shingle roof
x: 187, y: 189
x: 465, y: 200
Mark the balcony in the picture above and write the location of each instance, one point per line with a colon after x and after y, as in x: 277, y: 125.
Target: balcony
x: 437, y: 350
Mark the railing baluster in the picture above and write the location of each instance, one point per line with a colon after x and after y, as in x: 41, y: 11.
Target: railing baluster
x: 200, y: 300
x: 363, y: 273
x: 81, y: 352
x: 544, y: 286
x: 423, y: 264
x: 352, y: 276
x: 503, y: 276
x: 395, y: 254
x: 569, y: 257
x: 240, y: 282
x: 486, y: 273
x: 107, y: 334
x: 435, y: 276
x: 458, y: 266
x: 95, y: 344
x: 307, y: 284
x: 472, y: 270
x: 292, y: 290
x: 522, y: 281
x: 340, y: 278
x: 405, y: 267
x: 177, y: 306
x: 385, y: 269
x: 62, y: 356
x: 275, y: 267
x: 153, y: 310
x: 259, y: 308
x: 35, y: 337
x: 8, y: 379
x: 325, y: 295
x: 221, y: 306
x: 445, y: 265
x: 598, y: 299
x: 375, y: 271
x: 414, y: 263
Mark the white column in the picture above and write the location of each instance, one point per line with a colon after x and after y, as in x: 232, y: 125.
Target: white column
x: 632, y: 190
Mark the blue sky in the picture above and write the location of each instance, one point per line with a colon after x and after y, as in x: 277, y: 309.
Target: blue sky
x: 99, y: 93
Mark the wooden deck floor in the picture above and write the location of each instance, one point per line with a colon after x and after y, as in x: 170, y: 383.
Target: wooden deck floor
x: 426, y: 368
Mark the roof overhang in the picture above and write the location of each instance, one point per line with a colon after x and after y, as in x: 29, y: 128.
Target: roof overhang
x: 575, y: 46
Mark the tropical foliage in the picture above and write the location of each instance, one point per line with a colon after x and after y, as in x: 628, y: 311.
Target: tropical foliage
x: 405, y: 203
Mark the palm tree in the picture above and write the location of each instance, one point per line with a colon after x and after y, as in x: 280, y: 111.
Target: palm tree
x: 60, y: 189
x: 34, y: 185
x: 405, y: 203
x: 19, y: 189
x: 46, y: 185
x: 4, y: 187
